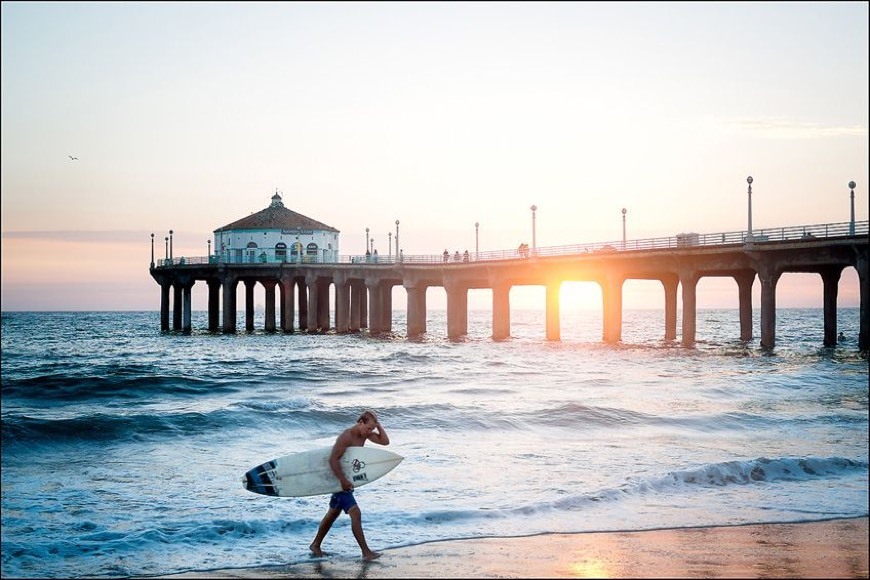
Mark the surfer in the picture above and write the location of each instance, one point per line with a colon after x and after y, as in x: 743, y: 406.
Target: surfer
x: 367, y: 428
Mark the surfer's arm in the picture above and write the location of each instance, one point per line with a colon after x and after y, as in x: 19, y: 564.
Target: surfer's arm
x: 380, y: 435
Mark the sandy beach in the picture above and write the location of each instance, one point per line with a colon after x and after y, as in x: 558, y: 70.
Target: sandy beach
x: 829, y: 549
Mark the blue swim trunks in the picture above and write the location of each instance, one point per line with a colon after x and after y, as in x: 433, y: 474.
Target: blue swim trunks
x: 343, y: 500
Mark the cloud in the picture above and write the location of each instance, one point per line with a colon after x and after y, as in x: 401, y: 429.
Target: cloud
x: 82, y: 236
x: 773, y: 128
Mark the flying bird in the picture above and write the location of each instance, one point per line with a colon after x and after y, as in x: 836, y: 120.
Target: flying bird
x: 71, y: 158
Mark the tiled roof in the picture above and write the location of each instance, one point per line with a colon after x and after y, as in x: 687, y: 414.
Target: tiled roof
x: 276, y: 217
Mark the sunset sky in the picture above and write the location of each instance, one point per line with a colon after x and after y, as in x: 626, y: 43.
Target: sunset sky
x: 189, y: 116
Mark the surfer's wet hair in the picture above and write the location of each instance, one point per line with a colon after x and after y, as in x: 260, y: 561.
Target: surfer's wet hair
x: 367, y: 415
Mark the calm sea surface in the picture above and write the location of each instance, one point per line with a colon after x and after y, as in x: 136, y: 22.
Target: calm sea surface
x: 124, y: 447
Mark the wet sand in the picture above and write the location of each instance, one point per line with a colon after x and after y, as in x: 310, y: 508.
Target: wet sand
x: 829, y: 549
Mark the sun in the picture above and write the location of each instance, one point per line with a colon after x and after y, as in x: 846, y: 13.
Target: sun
x: 580, y: 296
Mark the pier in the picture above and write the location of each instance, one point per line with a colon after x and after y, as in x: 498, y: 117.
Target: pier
x: 363, y: 288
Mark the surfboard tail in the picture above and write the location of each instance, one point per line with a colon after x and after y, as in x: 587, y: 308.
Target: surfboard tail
x: 260, y: 479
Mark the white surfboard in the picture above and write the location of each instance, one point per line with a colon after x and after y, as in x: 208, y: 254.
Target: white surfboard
x: 308, y: 473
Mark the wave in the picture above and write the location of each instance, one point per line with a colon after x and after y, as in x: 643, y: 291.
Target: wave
x: 66, y: 388
x: 111, y: 552
x: 765, y: 470
x: 128, y: 413
x: 103, y: 427
x: 256, y: 416
x: 126, y: 383
x: 716, y: 475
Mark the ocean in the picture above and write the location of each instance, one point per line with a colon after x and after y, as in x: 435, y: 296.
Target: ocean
x: 123, y: 448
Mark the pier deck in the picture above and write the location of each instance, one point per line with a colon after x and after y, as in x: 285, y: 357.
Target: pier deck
x: 363, y: 290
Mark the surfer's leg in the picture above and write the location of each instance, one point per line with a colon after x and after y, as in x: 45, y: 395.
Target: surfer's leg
x: 356, y: 527
x: 322, y: 530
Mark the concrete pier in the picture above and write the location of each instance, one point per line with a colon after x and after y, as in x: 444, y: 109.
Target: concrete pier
x: 363, y: 291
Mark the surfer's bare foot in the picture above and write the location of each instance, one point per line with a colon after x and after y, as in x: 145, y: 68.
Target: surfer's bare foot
x: 371, y: 556
x: 316, y: 551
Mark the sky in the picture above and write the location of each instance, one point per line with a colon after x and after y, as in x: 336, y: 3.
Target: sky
x: 189, y: 116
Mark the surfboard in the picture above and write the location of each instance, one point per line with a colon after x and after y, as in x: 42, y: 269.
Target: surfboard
x: 308, y: 472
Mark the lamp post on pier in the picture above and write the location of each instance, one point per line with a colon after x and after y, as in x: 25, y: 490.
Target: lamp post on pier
x: 170, y: 244
x: 152, y: 250
x: 749, y: 226
x: 390, y: 245
x: 209, y: 250
x: 368, y: 250
x: 852, y: 186
x: 397, y: 240
x: 166, y: 239
x: 624, y: 211
x: 476, y: 241
x: 534, y: 208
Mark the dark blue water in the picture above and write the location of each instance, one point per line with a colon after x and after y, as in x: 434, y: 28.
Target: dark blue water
x: 124, y: 447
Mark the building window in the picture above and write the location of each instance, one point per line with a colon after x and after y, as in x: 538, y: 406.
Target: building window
x: 251, y: 252
x: 311, y: 252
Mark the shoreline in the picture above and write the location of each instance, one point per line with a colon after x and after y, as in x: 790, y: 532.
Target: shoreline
x: 835, y: 548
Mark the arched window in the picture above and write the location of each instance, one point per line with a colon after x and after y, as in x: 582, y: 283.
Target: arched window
x: 251, y: 252
x: 311, y: 252
x: 281, y: 252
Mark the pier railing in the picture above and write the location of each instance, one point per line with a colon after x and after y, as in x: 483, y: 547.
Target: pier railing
x: 682, y: 240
